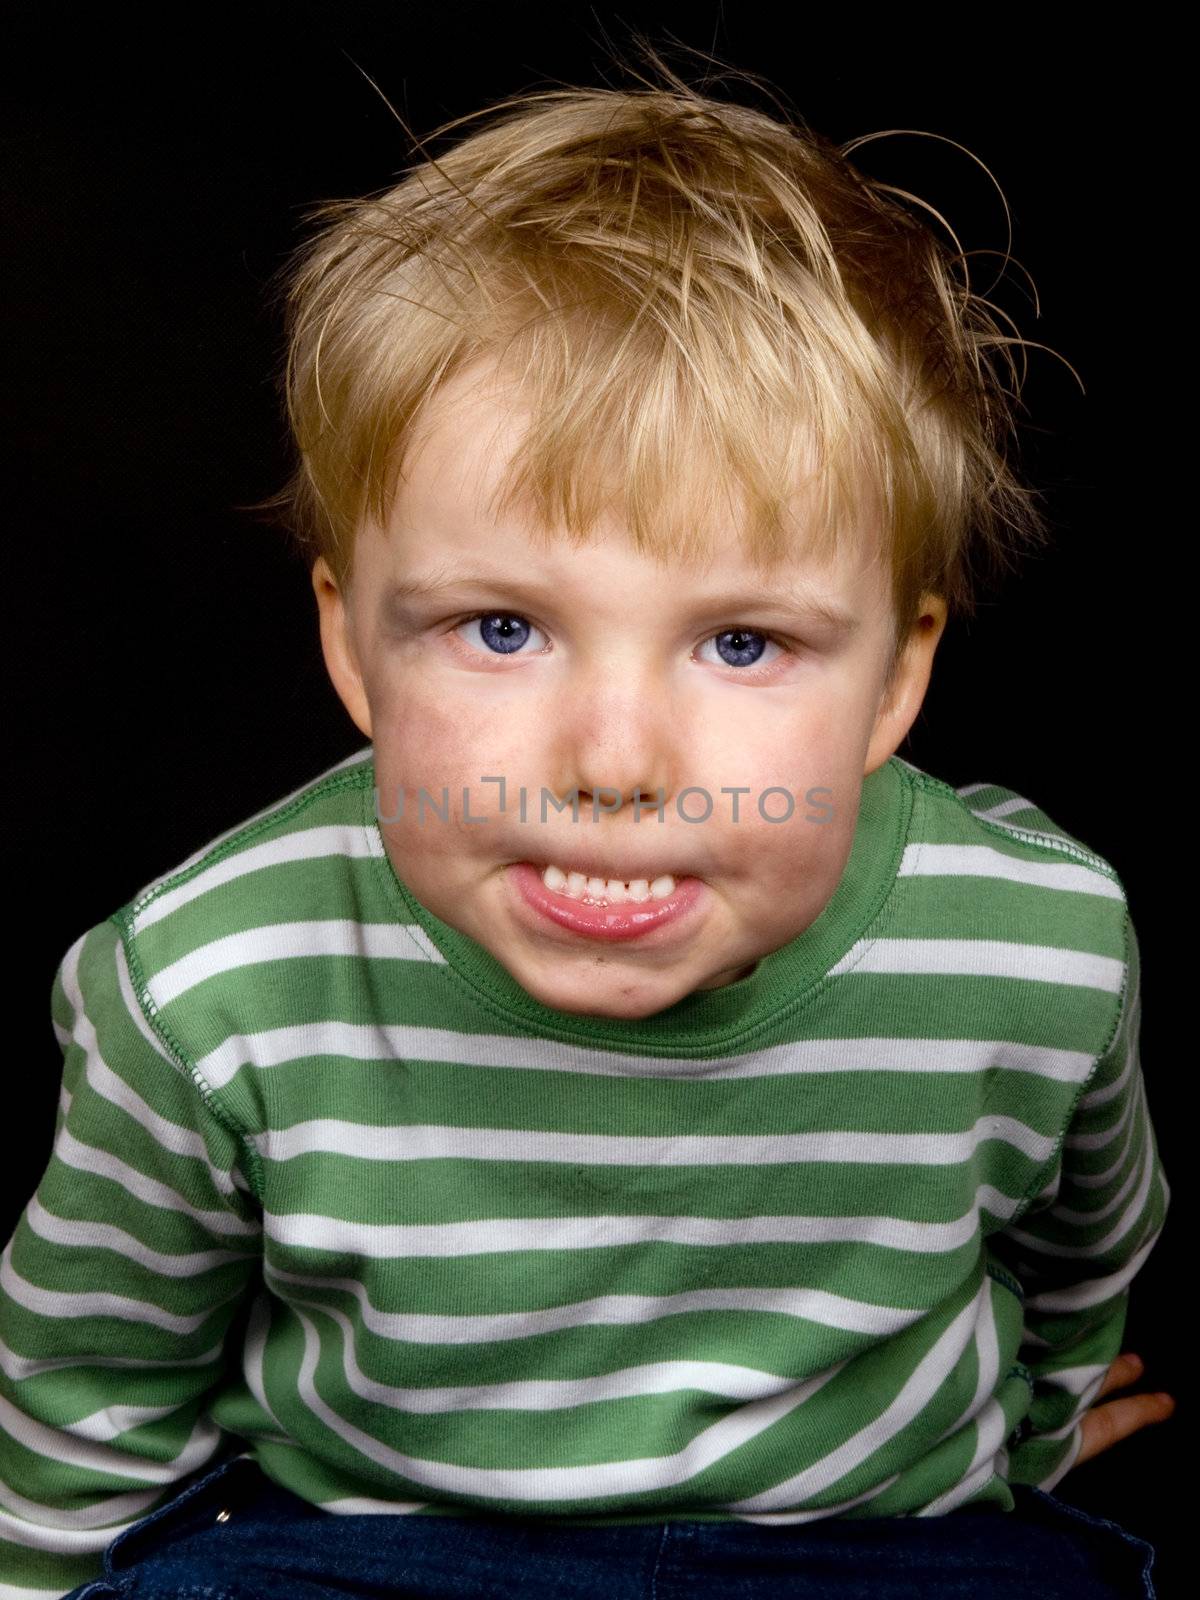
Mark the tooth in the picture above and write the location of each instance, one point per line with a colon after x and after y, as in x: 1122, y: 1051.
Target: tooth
x: 612, y: 890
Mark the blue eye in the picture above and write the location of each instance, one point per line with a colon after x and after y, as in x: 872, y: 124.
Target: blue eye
x: 740, y: 647
x: 505, y: 633
x: 502, y: 632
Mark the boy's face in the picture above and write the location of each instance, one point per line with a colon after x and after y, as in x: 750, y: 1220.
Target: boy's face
x: 596, y: 670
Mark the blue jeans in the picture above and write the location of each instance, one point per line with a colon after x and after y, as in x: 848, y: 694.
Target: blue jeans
x: 234, y: 1535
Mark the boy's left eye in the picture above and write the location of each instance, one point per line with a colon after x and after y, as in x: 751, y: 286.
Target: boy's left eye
x: 504, y: 633
x: 741, y: 647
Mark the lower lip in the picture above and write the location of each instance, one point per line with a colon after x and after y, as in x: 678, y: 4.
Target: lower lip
x: 632, y: 920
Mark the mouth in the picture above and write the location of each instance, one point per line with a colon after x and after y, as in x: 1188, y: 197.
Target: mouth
x: 604, y: 908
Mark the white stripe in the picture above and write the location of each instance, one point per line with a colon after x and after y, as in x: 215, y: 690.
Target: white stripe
x: 998, y: 813
x: 1083, y: 1219
x: 729, y: 1433
x: 170, y: 1135
x: 924, y: 1385
x: 561, y: 1483
x: 434, y: 1142
x: 727, y: 1379
x: 289, y: 941
x: 984, y: 958
x: 102, y: 1426
x: 1121, y: 1129
x: 1049, y: 1482
x: 12, y: 1591
x: 1052, y: 841
x: 984, y: 1410
x: 273, y: 1047
x: 500, y: 1235
x: 1092, y: 1291
x: 1005, y: 808
x: 78, y: 1532
x: 829, y: 1508
x: 985, y: 861
x: 80, y: 1234
x: 1078, y: 1381
x: 348, y: 840
x: 980, y: 1473
x: 94, y: 1161
x: 1130, y: 1216
x: 66, y: 1303
x: 253, y: 1352
x: 615, y: 1310
x: 360, y: 1506
x: 57, y: 1540
x: 225, y: 1183
x: 732, y: 1382
x: 1136, y: 1110
x: 1125, y: 1045
x: 62, y: 1446
x: 20, y: 1367
x: 1136, y: 1114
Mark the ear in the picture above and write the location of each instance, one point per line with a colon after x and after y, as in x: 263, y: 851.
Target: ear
x: 338, y: 647
x: 902, y: 697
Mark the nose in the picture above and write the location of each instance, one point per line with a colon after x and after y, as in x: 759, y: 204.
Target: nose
x: 615, y: 739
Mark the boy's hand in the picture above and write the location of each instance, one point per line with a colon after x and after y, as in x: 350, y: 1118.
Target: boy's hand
x: 1106, y: 1425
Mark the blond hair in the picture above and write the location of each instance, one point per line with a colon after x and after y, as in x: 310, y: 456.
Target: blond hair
x: 702, y: 307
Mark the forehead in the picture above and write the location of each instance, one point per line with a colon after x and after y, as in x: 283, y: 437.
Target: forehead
x: 455, y: 463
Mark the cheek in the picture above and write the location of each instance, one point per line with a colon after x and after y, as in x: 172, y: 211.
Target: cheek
x: 428, y: 751
x: 796, y: 825
x: 795, y: 754
x: 446, y: 747
x: 426, y: 739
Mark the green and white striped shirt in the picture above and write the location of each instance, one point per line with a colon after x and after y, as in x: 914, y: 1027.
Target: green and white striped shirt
x: 851, y: 1236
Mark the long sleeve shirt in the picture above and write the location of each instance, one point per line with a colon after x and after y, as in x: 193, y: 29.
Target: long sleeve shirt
x: 850, y: 1237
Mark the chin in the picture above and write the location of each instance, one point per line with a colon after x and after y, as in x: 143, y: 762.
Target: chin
x: 624, y: 1001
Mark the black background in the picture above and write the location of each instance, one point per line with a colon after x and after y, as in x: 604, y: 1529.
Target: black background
x: 164, y: 666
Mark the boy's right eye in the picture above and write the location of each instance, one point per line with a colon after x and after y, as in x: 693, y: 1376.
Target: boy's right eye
x: 501, y: 633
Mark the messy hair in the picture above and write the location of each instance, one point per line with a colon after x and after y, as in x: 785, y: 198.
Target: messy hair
x: 703, y: 309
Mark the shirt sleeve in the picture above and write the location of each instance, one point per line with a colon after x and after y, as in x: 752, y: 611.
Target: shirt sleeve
x: 117, y: 1288
x: 1081, y: 1244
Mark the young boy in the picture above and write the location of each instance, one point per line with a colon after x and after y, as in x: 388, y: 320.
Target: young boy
x: 625, y: 1108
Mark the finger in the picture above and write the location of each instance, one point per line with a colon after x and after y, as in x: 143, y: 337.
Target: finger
x: 1106, y: 1425
x: 1126, y: 1369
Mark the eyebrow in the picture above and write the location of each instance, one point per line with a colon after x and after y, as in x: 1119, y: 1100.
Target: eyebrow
x: 785, y: 598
